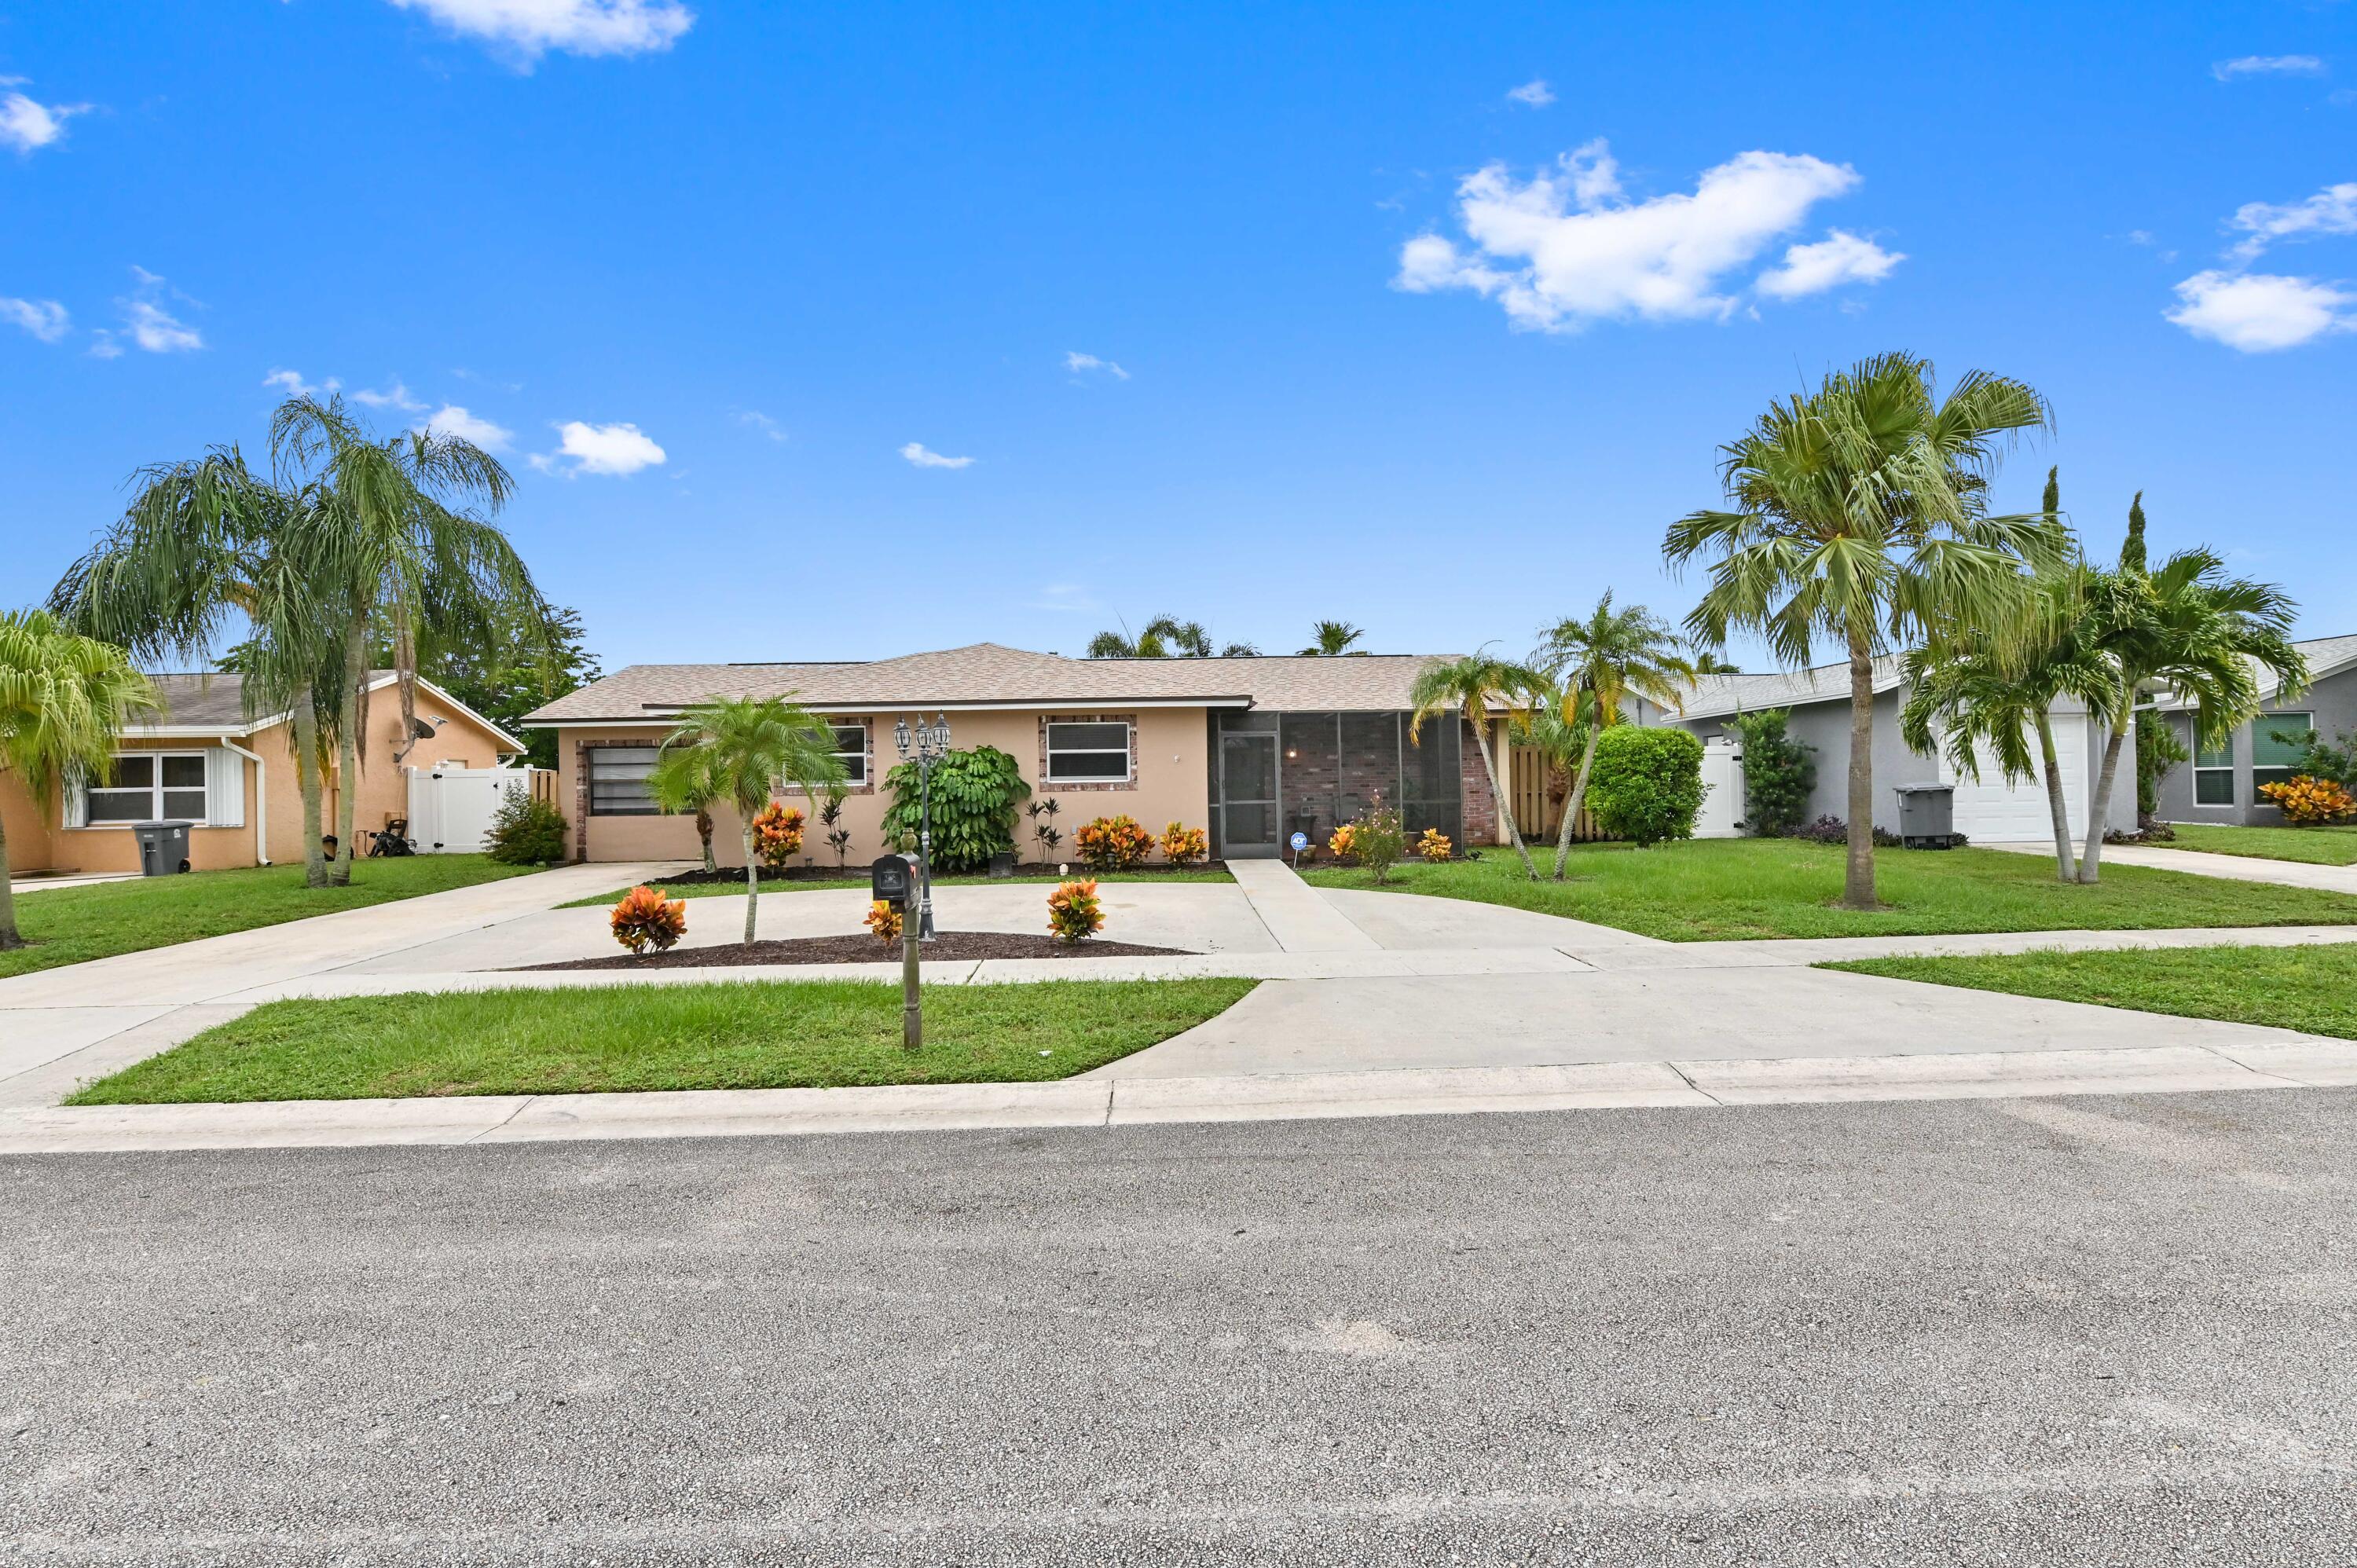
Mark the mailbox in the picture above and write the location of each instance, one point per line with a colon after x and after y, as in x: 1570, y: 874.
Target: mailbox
x: 893, y: 879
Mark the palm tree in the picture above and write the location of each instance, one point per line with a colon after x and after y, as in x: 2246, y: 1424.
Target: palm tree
x: 1476, y: 685
x: 682, y: 780
x: 1858, y: 514
x: 64, y: 699
x: 1333, y: 638
x: 1558, y: 728
x: 2186, y: 624
x: 749, y: 745
x: 404, y: 557
x: 1708, y: 663
x: 207, y: 546
x: 1165, y: 637
x: 1608, y: 655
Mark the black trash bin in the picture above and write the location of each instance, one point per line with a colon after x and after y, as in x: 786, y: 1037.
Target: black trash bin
x: 163, y: 847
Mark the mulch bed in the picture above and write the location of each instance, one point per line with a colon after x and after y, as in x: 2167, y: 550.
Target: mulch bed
x: 945, y: 947
x: 734, y: 876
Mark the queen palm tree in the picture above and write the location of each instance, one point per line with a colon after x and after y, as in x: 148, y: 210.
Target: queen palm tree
x: 682, y: 780
x: 64, y: 699
x: 746, y: 747
x: 1332, y: 639
x: 405, y: 555
x: 1608, y: 655
x: 208, y: 547
x: 1857, y: 514
x: 1479, y: 685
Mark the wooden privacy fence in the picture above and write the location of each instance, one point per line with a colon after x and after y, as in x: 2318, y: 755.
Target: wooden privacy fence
x: 1537, y: 813
x: 543, y: 785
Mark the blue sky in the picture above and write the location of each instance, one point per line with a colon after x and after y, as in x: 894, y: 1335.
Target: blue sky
x: 1396, y: 342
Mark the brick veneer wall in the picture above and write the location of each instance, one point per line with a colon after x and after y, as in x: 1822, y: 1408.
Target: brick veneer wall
x: 1480, y: 806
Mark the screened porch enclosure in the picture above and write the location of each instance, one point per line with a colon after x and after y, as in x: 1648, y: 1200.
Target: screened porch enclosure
x: 1276, y: 774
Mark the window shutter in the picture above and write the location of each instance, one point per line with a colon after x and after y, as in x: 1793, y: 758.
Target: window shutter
x: 224, y: 787
x: 73, y: 790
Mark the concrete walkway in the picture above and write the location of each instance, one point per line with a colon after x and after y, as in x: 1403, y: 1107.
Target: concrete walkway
x: 1296, y: 918
x: 2233, y: 867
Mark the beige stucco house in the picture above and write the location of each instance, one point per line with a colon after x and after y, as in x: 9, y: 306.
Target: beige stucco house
x: 201, y: 759
x: 1251, y: 749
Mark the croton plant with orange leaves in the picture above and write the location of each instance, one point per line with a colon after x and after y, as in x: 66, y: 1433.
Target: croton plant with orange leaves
x: 644, y: 919
x: 777, y: 834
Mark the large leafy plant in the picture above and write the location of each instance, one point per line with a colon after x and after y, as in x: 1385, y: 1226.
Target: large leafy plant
x: 1647, y: 785
x: 975, y: 795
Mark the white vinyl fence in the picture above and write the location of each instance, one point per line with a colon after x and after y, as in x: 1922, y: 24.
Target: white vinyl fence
x: 451, y: 809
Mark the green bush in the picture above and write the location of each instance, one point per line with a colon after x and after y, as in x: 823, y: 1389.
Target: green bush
x: 1377, y: 839
x: 975, y: 798
x: 1779, y: 772
x: 1646, y: 785
x: 526, y: 831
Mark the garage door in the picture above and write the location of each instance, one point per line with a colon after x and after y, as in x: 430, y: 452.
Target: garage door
x: 1996, y: 811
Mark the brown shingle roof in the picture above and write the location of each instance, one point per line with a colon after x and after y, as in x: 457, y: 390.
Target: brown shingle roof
x: 986, y: 675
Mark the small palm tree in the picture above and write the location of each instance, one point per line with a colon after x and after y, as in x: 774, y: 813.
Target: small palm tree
x: 682, y: 780
x: 1858, y: 515
x: 64, y: 699
x: 1332, y: 639
x: 749, y: 747
x: 1605, y: 658
x: 1709, y: 663
x: 1479, y: 686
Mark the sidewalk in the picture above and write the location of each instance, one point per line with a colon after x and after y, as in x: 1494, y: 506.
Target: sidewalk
x: 2233, y: 867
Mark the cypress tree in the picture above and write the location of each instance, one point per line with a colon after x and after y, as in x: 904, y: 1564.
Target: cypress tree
x: 2132, y: 556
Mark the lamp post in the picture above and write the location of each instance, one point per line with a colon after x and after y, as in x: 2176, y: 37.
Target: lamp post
x: 926, y: 744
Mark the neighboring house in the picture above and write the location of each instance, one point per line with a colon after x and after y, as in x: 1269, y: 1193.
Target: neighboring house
x: 1251, y: 748
x: 202, y: 760
x: 1993, y: 810
x: 2222, y: 785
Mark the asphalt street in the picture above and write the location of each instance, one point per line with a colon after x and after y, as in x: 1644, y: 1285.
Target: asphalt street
x: 2033, y: 1332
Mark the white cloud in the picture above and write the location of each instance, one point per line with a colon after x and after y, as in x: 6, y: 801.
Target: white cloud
x: 599, y: 450
x: 1841, y: 257
x: 2268, y: 65
x: 1565, y: 247
x: 453, y: 420
x: 2258, y: 313
x: 530, y: 29
x: 754, y: 419
x: 1078, y: 362
x: 146, y: 322
x: 24, y: 124
x: 397, y: 395
x: 294, y: 385
x: 44, y: 318
x: 2333, y: 210
x: 920, y: 455
x: 1535, y: 92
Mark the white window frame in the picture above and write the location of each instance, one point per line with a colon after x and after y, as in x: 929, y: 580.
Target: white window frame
x: 2226, y: 767
x: 861, y: 755
x: 154, y: 789
x: 1128, y: 751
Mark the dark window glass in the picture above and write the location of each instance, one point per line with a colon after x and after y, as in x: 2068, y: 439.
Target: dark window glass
x: 618, y: 781
x: 2213, y: 786
x: 1088, y: 753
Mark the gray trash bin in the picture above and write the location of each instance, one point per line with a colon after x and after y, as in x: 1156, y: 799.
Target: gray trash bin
x: 163, y: 847
x: 1927, y: 816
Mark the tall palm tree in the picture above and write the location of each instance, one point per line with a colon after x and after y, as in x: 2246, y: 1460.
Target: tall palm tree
x: 1608, y: 655
x: 1557, y: 727
x: 1479, y: 685
x: 64, y: 699
x: 1708, y: 663
x: 1857, y: 514
x: 682, y: 780
x: 1332, y: 638
x: 407, y: 555
x: 2188, y: 626
x: 1167, y: 636
x: 208, y: 547
x: 750, y: 745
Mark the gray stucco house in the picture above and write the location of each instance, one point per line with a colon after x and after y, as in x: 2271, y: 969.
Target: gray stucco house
x: 2223, y: 786
x: 1993, y: 810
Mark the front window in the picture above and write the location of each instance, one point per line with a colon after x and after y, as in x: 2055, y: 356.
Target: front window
x: 618, y: 781
x: 2213, y: 775
x: 2277, y: 743
x: 851, y: 750
x: 149, y: 786
x: 1088, y: 753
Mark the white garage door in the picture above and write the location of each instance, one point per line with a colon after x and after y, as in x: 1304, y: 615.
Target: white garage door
x: 1996, y: 811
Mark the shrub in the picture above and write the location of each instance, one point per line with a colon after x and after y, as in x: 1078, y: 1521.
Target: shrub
x: 830, y: 816
x: 1376, y: 838
x: 1646, y: 784
x: 1043, y: 826
x: 776, y: 834
x: 1779, y: 772
x: 2158, y: 750
x: 644, y: 919
x: 2307, y: 800
x: 1435, y: 846
x: 1113, y: 843
x: 1184, y: 846
x: 525, y: 831
x: 2319, y: 757
x: 1073, y: 913
x: 1340, y: 842
x: 976, y: 794
x: 1824, y: 829
x: 884, y: 922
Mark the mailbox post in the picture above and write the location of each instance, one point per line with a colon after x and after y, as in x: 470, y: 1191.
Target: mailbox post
x: 927, y: 744
x: 893, y: 880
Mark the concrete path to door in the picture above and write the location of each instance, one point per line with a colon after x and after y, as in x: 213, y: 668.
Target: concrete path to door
x: 2234, y: 867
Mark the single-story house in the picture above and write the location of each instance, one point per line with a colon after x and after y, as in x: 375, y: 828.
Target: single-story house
x: 1250, y: 748
x: 201, y: 759
x: 2222, y: 785
x: 1994, y: 810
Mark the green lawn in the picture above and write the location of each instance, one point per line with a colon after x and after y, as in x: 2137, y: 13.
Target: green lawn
x: 2317, y: 846
x: 819, y: 884
x: 2311, y: 989
x: 768, y: 1034
x: 69, y: 925
x: 1717, y: 889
